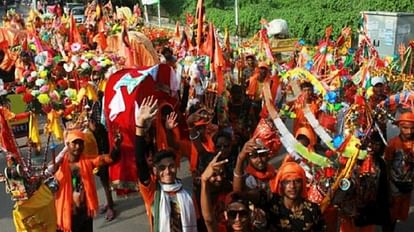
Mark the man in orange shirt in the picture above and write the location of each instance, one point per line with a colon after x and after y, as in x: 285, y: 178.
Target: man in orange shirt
x: 306, y: 98
x: 399, y: 156
x: 254, y: 91
x: 169, y: 207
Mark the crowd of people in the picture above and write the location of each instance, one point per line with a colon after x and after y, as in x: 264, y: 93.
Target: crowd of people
x: 131, y: 114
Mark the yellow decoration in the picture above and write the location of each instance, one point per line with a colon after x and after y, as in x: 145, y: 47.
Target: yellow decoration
x: 53, y: 125
x: 369, y: 92
x: 34, y: 130
x: 102, y: 85
x: 43, y: 99
x: 302, y: 73
x: 37, y: 214
x: 43, y: 74
x: 352, y: 147
x: 89, y: 92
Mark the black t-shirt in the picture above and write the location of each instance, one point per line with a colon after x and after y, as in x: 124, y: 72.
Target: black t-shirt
x: 282, y: 219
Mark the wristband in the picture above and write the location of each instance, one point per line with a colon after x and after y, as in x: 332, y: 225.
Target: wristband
x: 237, y: 175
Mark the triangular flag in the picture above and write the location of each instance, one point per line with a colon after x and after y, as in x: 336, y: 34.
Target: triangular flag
x: 200, y: 22
x: 74, y: 35
x: 219, y: 64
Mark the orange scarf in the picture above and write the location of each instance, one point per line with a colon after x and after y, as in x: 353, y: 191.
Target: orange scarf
x: 252, y: 88
x: 263, y: 176
x: 64, y: 196
x: 208, y: 145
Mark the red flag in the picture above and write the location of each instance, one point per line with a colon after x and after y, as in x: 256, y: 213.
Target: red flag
x: 200, y: 21
x: 25, y: 46
x: 100, y: 39
x: 74, y: 35
x: 4, y: 45
x: 208, y: 46
x: 266, y: 44
x: 177, y: 29
x: 219, y: 64
x: 227, y: 39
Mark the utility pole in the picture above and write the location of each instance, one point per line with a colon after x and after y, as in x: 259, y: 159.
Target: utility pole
x: 236, y: 15
x: 159, y: 13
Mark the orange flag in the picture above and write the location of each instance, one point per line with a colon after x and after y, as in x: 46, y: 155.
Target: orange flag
x: 227, y: 39
x: 100, y: 38
x: 177, y: 29
x: 74, y: 35
x: 219, y: 64
x: 200, y: 22
x: 208, y: 45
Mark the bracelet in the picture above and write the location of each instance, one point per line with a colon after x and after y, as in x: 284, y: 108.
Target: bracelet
x: 195, y: 137
x: 237, y: 175
x: 140, y: 127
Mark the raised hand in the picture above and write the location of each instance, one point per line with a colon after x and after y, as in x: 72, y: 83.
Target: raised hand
x: 171, y: 121
x: 212, y: 167
x: 248, y: 148
x: 210, y: 101
x: 147, y: 112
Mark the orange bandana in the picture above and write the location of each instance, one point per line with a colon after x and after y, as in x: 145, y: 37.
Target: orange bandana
x: 289, y: 171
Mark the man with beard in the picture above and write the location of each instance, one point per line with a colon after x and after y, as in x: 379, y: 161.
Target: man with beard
x: 399, y: 156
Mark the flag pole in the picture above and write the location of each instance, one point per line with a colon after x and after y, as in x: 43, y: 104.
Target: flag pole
x: 236, y: 15
x: 146, y: 14
x: 159, y: 14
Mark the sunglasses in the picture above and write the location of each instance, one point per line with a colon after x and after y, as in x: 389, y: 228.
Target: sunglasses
x: 232, y: 214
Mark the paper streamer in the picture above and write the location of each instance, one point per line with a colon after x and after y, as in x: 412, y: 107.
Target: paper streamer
x: 296, y: 149
x: 300, y: 72
x: 319, y: 130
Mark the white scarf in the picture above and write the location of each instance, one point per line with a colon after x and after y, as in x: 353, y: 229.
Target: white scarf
x: 187, y: 211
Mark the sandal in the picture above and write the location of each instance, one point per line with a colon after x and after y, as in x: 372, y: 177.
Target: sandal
x: 110, y: 214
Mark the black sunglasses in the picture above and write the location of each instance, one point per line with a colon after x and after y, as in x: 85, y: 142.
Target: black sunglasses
x: 232, y: 214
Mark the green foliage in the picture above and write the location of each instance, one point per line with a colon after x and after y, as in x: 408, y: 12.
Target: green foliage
x: 306, y: 18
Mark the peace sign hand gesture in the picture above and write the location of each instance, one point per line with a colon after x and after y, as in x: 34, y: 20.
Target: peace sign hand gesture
x: 212, y: 167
